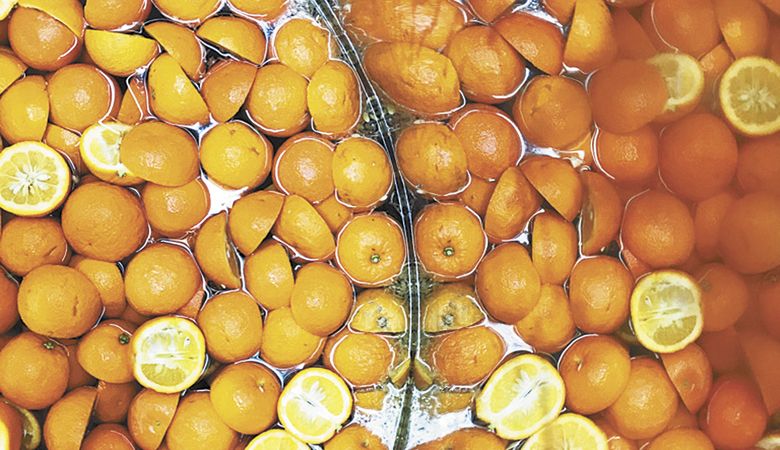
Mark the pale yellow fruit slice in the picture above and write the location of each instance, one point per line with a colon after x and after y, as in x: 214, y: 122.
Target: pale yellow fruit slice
x: 684, y: 79
x: 99, y: 150
x: 34, y: 179
x: 750, y: 95
x: 568, y: 431
x: 276, y: 440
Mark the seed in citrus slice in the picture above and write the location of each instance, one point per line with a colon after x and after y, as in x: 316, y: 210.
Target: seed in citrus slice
x: 99, y: 149
x: 169, y: 354
x: 684, y: 79
x: 34, y: 179
x: 750, y: 95
x: 521, y: 397
x: 568, y: 431
x: 666, y: 311
x: 314, y: 404
x: 276, y: 439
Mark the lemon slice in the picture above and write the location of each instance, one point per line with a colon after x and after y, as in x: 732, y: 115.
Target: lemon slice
x: 34, y: 179
x: 314, y: 404
x: 521, y: 397
x: 684, y: 79
x: 5, y: 7
x: 276, y: 440
x: 169, y: 354
x: 568, y: 431
x: 666, y: 311
x: 99, y: 150
x: 750, y: 95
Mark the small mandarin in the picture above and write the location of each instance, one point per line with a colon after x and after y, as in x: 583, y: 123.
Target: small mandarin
x: 758, y: 165
x: 113, y: 401
x: 67, y: 420
x: 557, y: 182
x: 549, y: 326
x: 173, y: 211
x: 507, y: 283
x: 432, y: 160
x: 333, y: 98
x: 591, y: 43
x: 107, y: 279
x: 321, y: 298
x: 171, y: 95
x: 681, y: 439
x: 746, y: 243
x: 303, y: 229
x: 24, y: 110
x: 9, y: 312
x: 686, y: 26
x: 602, y: 211
x: 108, y: 436
x: 600, y: 289
x: 361, y: 358
x: 186, y: 11
x: 735, y: 416
x: 362, y: 172
x: 725, y: 295
x: 277, y: 100
x: 371, y: 250
x: 235, y: 155
x: 43, y: 365
x: 197, y: 424
x: 477, y: 196
x: 303, y: 166
x: 691, y: 373
x: 122, y: 14
x: 149, y: 416
x: 226, y: 86
x: 268, y: 276
x: 105, y: 354
x: 41, y: 41
x: 81, y: 95
x: 302, y: 45
x: 285, y: 343
x: 27, y: 243
x: 553, y: 247
x: 214, y: 253
x: 232, y: 325
x: 181, y: 43
x: 355, y: 436
x: 244, y: 396
x: 252, y: 217
x: 237, y: 36
x: 467, y: 356
x: 537, y: 40
x: 512, y: 202
x: 630, y: 159
x: 160, y: 153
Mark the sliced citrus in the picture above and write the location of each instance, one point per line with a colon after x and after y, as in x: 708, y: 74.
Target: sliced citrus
x: 31, y: 437
x: 521, y: 397
x: 684, y: 79
x: 666, y: 311
x: 314, y: 404
x: 276, y: 440
x: 5, y: 7
x: 750, y: 95
x: 169, y: 354
x: 34, y: 179
x: 99, y: 150
x: 120, y: 54
x: 378, y: 311
x: 568, y: 431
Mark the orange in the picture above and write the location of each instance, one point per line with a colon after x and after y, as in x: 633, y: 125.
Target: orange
x: 490, y: 139
x: 77, y: 376
x: 285, y: 343
x: 120, y: 54
x: 512, y: 202
x: 507, y: 283
x: 758, y: 167
x: 67, y: 420
x: 627, y: 95
x: 160, y: 279
x: 449, y: 239
x: 762, y: 352
x: 244, y: 396
x: 658, y: 229
x: 682, y: 419
x: 252, y: 217
x: 277, y: 100
x: 333, y: 97
x: 135, y: 102
x: 632, y: 40
x: 197, y: 424
x: 697, y: 156
x: 648, y: 402
x: 11, y: 67
x: 41, y: 363
x: 104, y: 353
x: 362, y: 173
x: 489, y: 69
x: 768, y: 299
x: 302, y: 45
x: 432, y: 159
x: 631, y: 159
x: 11, y: 426
x: 113, y: 15
x: 171, y: 95
x: 549, y: 326
x: 723, y: 350
x: 537, y: 40
x: 714, y: 63
x: 478, y: 194
x: 708, y: 215
x: 745, y: 26
x: 595, y: 370
x: 429, y: 24
x: 113, y: 401
x: 181, y: 43
x: 9, y: 313
x: 237, y: 36
x: 27, y: 243
x: 591, y: 43
x: 186, y: 11
x: 691, y: 373
x: 303, y: 166
x: 557, y: 182
x: 233, y: 326
x: 371, y: 250
x: 378, y: 311
x: 489, y: 10
x: 160, y: 153
x: 450, y: 306
x: 355, y: 436
x: 466, y: 438
x: 173, y: 211
x: 41, y: 41
x: 268, y: 276
x: 50, y: 293
x: 602, y: 211
x: 553, y: 111
x: 321, y: 299
x: 467, y: 356
x: 615, y: 440
x: 362, y: 359
x: 67, y: 143
x: 235, y: 155
x: 107, y: 279
x: 302, y: 228
x: 553, y: 248
x: 149, y: 416
x: 261, y: 9
x: 108, y: 436
x: 735, y: 416
x: 560, y: 9
x: 80, y: 95
x: 599, y: 290
x: 746, y: 243
x: 214, y: 253
x: 725, y: 296
x: 686, y: 26
x: 24, y: 110
x: 417, y: 78
x: 226, y: 86
x: 680, y: 439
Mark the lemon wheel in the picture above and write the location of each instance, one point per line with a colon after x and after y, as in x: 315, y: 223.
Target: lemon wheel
x: 666, y: 311
x: 277, y: 440
x: 169, y: 354
x: 568, y: 431
x: 99, y: 149
x: 750, y: 95
x: 34, y: 179
x: 684, y: 79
